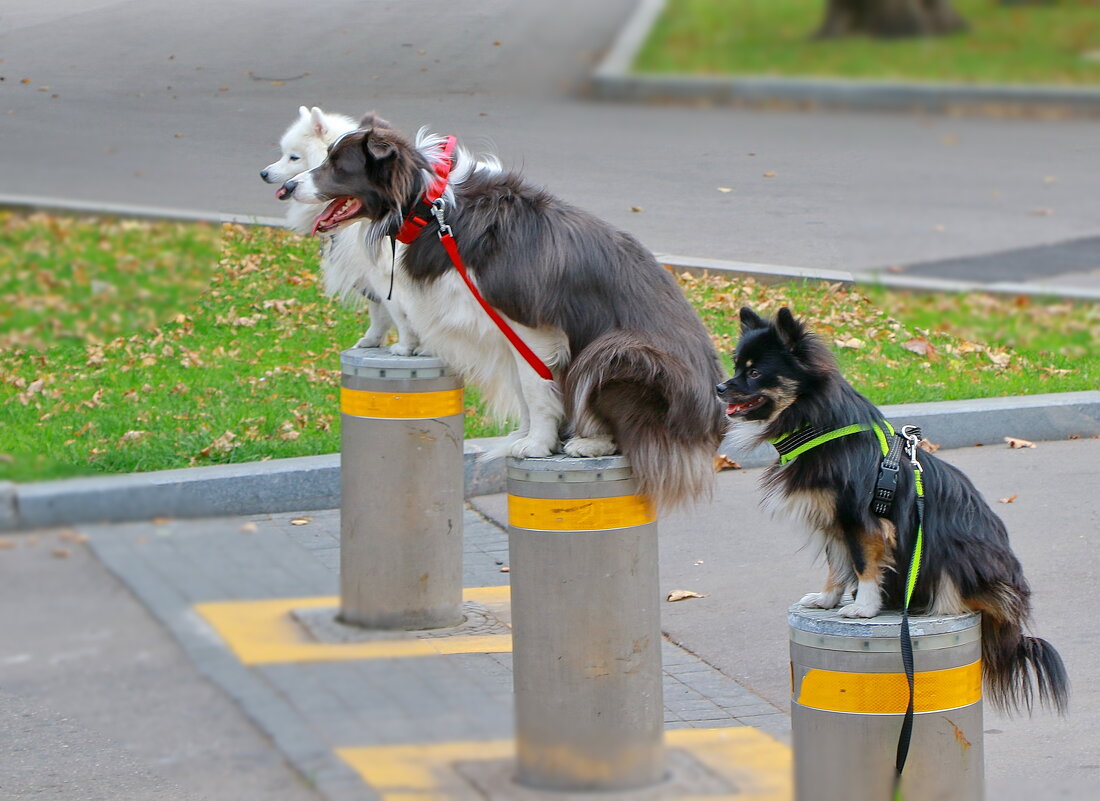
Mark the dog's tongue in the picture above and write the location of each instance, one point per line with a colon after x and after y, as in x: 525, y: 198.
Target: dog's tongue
x: 281, y: 193
x: 739, y: 408
x: 338, y: 210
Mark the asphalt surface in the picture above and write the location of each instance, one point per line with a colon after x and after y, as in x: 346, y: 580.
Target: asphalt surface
x: 180, y: 104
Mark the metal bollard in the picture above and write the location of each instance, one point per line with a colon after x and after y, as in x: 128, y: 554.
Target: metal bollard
x: 401, y: 476
x: 586, y: 634
x: 848, y: 698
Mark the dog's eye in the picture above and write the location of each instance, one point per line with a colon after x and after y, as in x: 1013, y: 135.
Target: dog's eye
x: 754, y: 373
x: 293, y: 157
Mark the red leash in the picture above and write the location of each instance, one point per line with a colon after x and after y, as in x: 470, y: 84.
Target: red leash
x: 432, y: 204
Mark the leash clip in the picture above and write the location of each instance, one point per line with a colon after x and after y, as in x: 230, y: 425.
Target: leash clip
x: 913, y: 440
x: 437, y: 211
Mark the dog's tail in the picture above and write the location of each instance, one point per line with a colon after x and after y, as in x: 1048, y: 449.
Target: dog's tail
x: 1018, y: 667
x: 660, y: 407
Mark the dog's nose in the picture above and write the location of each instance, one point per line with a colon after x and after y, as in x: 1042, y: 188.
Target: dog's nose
x: 286, y: 190
x: 722, y: 387
x: 263, y: 174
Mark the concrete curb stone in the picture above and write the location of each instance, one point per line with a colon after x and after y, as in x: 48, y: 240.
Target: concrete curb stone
x: 614, y: 80
x: 313, y: 482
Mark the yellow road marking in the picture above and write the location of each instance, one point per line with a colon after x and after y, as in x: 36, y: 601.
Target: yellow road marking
x: 263, y: 632
x: 888, y: 693
x: 757, y: 766
x: 402, y: 405
x: 590, y: 514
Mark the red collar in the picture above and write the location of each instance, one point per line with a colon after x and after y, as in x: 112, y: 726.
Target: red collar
x: 420, y: 215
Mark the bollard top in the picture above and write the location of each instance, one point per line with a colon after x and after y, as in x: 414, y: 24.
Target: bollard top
x: 887, y: 624
x: 380, y: 363
x: 567, y: 469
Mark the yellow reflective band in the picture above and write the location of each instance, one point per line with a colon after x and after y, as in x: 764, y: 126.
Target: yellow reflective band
x: 582, y: 514
x: 888, y: 693
x: 401, y: 405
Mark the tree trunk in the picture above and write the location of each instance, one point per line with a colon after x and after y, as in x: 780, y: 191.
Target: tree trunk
x: 889, y: 18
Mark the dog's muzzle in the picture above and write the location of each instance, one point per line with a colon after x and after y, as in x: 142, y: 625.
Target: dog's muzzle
x: 286, y: 190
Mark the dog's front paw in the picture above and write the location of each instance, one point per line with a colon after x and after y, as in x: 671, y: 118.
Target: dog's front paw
x: 858, y: 609
x: 531, y: 447
x: 820, y: 600
x: 401, y: 349
x: 370, y: 341
x: 590, y: 446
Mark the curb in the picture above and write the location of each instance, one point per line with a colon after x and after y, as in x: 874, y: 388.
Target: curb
x: 775, y: 273
x: 613, y: 80
x: 313, y: 482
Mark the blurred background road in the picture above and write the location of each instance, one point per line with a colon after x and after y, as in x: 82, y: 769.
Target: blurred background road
x: 178, y: 105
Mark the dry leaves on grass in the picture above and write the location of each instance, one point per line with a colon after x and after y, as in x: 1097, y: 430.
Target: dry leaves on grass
x: 683, y: 595
x: 922, y: 347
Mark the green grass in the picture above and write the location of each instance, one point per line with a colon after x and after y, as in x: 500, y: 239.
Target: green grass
x: 130, y: 346
x: 1022, y: 44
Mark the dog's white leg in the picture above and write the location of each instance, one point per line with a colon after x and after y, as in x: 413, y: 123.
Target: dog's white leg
x: 592, y: 437
x: 408, y: 340
x: 380, y: 325
x: 544, y: 413
x: 829, y: 597
x: 868, y: 600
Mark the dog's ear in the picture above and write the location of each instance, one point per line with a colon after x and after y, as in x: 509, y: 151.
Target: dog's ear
x: 378, y: 146
x: 317, y: 119
x: 303, y: 112
x: 372, y: 120
x: 790, y: 330
x: 750, y: 320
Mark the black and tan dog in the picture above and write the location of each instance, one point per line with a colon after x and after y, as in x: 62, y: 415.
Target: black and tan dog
x: 788, y: 381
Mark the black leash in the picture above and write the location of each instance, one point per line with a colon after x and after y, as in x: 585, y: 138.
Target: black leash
x: 911, y: 436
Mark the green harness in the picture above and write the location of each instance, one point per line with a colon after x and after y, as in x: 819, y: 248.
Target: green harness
x: 792, y: 445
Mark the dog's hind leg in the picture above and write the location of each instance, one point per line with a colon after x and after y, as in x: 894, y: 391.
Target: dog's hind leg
x: 541, y: 397
x: 591, y: 437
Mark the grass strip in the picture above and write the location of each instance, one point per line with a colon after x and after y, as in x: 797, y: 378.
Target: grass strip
x: 1056, y: 43
x: 137, y: 345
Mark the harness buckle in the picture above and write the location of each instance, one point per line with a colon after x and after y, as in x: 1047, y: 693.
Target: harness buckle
x: 437, y: 211
x: 885, y: 489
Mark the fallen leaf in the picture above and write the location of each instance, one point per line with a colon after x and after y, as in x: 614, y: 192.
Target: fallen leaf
x: 637, y: 208
x: 921, y: 347
x: 683, y: 595
x: 1009, y: 499
x: 769, y: 175
x: 929, y: 446
x: 852, y: 343
x: 61, y: 553
x: 725, y: 189
x: 723, y: 462
x: 1000, y: 359
x: 161, y: 521
x: 300, y: 521
x: 1016, y: 442
x: 506, y: 569
x: 6, y: 542
x: 249, y: 528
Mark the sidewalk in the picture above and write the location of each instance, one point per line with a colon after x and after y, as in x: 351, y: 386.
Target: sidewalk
x: 226, y: 588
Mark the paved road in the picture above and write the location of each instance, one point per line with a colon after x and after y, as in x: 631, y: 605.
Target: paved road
x: 98, y: 703
x: 179, y: 104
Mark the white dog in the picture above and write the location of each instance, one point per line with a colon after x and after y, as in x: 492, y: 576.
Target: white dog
x: 350, y: 266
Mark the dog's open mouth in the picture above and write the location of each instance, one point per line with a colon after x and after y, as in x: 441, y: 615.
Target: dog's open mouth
x: 744, y: 407
x: 339, y: 210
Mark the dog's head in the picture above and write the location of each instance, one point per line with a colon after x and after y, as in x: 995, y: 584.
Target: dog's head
x: 305, y: 143
x: 371, y: 172
x: 775, y: 363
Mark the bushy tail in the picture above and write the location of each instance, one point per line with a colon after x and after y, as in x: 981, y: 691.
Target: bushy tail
x: 1019, y: 668
x: 660, y: 407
